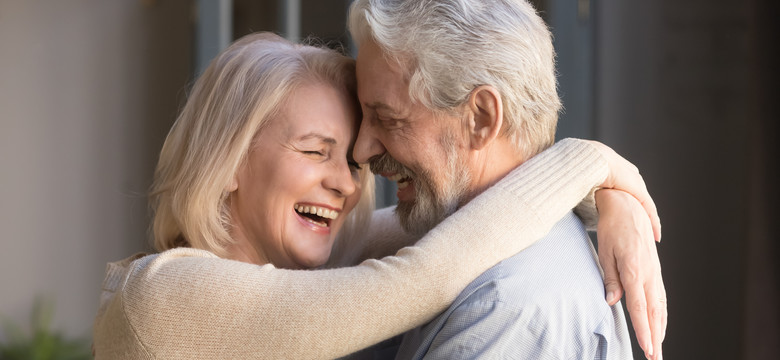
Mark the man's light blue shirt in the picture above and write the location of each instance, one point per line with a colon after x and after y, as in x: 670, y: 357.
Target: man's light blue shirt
x: 547, y: 302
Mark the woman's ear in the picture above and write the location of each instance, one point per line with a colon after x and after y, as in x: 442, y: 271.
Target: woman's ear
x: 233, y: 184
x: 486, y: 116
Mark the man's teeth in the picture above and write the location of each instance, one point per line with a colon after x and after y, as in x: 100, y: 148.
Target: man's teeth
x: 395, y: 177
x: 316, y: 210
x: 401, y: 184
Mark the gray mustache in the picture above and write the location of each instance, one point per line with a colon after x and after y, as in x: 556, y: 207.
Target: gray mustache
x: 386, y: 164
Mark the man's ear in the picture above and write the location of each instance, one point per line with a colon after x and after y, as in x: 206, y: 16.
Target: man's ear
x: 485, y: 116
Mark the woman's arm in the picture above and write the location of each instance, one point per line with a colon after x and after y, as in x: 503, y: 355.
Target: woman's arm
x: 622, y: 249
x: 185, y: 304
x: 628, y: 255
x: 384, y: 237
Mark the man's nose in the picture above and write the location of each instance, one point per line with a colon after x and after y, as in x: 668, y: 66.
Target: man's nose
x: 367, y: 144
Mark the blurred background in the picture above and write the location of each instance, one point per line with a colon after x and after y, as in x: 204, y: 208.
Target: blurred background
x: 686, y: 90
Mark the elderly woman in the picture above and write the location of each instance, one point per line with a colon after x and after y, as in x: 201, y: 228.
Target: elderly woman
x: 254, y: 182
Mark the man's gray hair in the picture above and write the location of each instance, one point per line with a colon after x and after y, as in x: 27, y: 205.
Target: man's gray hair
x: 449, y: 47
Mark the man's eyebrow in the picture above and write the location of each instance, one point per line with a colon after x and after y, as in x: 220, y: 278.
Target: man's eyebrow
x: 376, y: 105
x: 314, y: 135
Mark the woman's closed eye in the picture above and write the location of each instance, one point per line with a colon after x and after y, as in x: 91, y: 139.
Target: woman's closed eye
x: 354, y: 165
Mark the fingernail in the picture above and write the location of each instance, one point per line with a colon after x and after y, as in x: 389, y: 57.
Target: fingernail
x: 611, y: 296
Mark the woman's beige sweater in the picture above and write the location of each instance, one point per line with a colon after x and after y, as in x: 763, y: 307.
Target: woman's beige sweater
x: 190, y: 304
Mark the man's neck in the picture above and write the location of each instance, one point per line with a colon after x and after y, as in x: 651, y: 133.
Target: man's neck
x: 489, y: 165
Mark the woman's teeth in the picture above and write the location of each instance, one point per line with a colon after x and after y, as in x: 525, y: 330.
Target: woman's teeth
x: 316, y: 210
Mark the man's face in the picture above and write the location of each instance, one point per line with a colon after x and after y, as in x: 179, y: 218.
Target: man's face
x: 422, y: 151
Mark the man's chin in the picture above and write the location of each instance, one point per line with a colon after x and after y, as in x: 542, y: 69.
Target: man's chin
x: 418, y: 221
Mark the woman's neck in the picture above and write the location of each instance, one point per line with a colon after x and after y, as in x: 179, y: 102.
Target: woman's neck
x: 242, y: 250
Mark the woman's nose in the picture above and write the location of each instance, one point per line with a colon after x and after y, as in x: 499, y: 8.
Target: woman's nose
x: 341, y: 179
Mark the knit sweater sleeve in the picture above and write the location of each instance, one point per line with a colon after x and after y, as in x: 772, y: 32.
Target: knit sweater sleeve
x: 587, y: 212
x: 184, y: 304
x: 385, y: 235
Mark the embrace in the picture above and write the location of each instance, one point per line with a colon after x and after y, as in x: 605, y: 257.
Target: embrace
x: 269, y: 245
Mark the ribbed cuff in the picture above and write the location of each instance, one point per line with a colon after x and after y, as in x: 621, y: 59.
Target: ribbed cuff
x: 587, y: 211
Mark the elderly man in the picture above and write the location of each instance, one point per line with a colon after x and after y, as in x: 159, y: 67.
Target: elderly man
x: 456, y: 94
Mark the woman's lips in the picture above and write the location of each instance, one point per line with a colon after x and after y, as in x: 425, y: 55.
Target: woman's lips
x: 317, y: 227
x: 316, y: 217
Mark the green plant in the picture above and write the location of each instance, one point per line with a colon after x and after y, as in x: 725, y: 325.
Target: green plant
x: 42, y: 343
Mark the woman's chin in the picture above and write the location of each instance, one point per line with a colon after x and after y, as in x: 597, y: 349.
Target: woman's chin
x: 313, y: 260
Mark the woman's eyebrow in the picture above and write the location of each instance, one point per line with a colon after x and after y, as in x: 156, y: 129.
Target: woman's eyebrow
x: 321, y: 137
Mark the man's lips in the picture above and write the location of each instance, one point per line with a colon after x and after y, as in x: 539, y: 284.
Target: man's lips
x: 405, y: 185
x: 406, y: 191
x: 401, y: 180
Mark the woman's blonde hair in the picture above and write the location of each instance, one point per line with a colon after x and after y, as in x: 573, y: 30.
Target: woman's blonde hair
x: 240, y: 91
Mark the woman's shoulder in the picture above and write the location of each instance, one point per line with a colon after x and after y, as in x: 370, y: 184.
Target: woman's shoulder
x: 117, y: 272
x: 134, y: 268
x: 143, y: 259
x: 130, y: 298
x: 137, y: 278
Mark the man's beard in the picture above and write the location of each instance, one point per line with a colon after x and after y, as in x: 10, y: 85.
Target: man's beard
x: 431, y: 204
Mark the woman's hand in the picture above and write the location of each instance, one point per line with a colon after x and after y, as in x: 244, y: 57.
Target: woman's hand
x: 623, y: 175
x: 629, y: 258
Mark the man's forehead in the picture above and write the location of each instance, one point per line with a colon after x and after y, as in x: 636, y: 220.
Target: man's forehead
x: 381, y: 83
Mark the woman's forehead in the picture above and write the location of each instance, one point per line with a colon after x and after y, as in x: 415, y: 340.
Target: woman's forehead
x: 315, y: 113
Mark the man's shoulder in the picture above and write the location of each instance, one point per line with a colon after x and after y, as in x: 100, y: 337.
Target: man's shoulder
x: 545, y: 302
x: 562, y: 266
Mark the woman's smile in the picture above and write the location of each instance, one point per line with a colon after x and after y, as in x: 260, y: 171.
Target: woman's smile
x: 316, y: 217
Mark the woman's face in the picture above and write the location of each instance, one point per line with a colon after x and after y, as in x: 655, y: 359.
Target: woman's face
x: 298, y: 182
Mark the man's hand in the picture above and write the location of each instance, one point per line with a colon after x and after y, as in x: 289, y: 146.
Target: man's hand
x: 629, y: 258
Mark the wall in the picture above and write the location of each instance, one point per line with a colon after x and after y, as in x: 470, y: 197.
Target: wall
x: 682, y: 90
x: 88, y: 90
